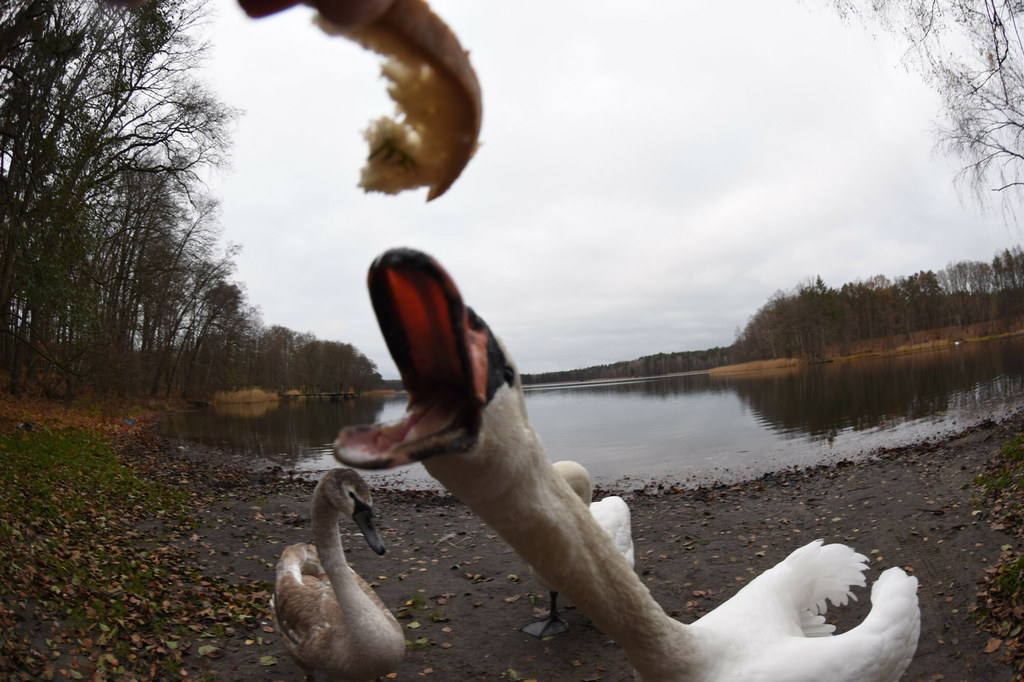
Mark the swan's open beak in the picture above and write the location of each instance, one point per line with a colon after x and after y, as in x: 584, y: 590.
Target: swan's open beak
x: 444, y: 353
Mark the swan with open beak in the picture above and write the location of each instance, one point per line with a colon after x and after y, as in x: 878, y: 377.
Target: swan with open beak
x: 451, y: 364
x: 467, y: 423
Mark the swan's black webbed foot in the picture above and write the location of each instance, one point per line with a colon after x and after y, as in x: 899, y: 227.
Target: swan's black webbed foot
x: 550, y: 626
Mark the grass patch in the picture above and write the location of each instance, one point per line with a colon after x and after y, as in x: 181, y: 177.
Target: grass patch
x: 111, y: 601
x: 994, y: 483
x: 1010, y: 577
x: 1001, y: 603
x: 1014, y: 449
x: 1008, y: 475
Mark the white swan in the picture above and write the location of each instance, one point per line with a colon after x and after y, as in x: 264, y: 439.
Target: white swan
x: 467, y: 423
x: 332, y: 622
x: 611, y: 513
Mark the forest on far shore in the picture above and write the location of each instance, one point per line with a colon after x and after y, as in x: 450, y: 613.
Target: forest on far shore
x: 813, y: 321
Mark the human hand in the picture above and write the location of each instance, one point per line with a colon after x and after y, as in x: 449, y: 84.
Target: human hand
x: 340, y: 12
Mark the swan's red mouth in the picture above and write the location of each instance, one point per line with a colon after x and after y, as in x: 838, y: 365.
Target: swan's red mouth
x: 442, y: 350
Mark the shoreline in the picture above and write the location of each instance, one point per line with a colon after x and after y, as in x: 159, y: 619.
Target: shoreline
x: 865, y: 447
x: 911, y: 506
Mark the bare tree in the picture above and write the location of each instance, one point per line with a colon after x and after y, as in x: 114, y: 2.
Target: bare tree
x: 112, y: 274
x: 971, y: 51
x: 89, y: 95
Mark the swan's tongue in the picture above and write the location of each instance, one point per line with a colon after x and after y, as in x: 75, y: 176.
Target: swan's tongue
x: 441, y: 349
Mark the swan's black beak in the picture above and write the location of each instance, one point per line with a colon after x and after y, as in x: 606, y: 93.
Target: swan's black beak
x: 363, y: 516
x: 449, y: 360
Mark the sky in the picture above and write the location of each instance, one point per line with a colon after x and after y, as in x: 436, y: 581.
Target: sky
x: 650, y: 173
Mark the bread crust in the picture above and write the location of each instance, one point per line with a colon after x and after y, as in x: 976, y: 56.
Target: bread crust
x: 437, y: 96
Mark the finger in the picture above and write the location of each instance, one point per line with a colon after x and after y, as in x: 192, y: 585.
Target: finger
x: 350, y: 13
x: 259, y: 8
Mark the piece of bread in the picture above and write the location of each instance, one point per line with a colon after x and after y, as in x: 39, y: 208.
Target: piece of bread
x: 437, y: 97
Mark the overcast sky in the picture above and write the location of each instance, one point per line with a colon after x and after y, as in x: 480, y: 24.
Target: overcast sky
x: 650, y: 173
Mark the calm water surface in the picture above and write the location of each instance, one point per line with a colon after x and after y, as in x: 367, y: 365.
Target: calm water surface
x: 684, y: 430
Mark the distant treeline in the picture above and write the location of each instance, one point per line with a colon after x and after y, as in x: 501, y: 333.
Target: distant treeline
x: 280, y: 359
x: 650, y: 365
x: 815, y: 321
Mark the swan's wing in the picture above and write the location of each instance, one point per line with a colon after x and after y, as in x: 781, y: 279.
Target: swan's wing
x: 612, y: 514
x: 892, y: 627
x: 310, y: 565
x: 302, y: 601
x: 299, y: 560
x: 789, y: 598
x: 362, y: 644
x: 301, y: 611
x: 877, y: 650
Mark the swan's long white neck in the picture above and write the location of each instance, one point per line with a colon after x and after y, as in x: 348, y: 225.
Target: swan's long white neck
x: 552, y: 530
x: 324, y: 520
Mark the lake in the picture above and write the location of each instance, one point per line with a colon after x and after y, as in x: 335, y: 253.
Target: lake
x: 682, y: 430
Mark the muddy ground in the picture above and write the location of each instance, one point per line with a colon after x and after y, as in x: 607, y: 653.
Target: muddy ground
x: 462, y: 594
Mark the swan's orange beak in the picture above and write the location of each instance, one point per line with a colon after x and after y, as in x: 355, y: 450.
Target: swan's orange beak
x: 443, y: 351
x: 427, y: 326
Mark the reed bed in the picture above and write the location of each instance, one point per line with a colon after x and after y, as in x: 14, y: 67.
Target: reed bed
x: 244, y: 396
x: 761, y: 366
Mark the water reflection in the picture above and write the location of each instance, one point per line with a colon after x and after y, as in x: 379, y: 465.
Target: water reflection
x: 291, y: 433
x: 686, y: 429
x: 245, y: 410
x: 824, y: 400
